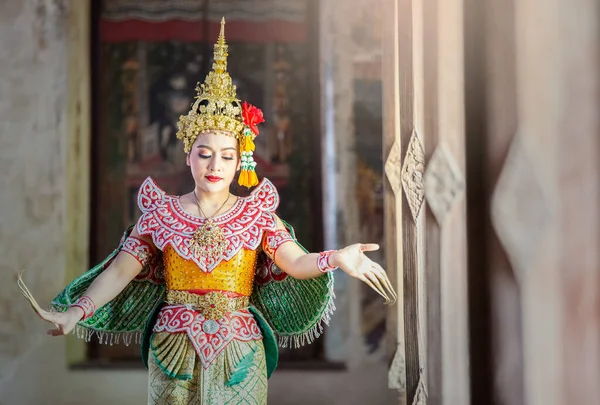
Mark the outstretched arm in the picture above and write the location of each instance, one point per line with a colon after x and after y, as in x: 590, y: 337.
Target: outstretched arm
x: 124, y: 268
x: 290, y: 258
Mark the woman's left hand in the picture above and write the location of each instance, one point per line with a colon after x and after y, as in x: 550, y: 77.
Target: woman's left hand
x: 355, y: 263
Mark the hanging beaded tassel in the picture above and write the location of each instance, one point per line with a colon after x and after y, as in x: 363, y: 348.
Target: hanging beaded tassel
x: 252, y: 117
x: 248, y: 177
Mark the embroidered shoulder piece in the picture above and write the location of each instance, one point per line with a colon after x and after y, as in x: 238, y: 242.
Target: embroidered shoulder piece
x: 164, y: 219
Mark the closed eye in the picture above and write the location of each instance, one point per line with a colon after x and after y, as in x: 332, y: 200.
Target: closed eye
x: 204, y: 156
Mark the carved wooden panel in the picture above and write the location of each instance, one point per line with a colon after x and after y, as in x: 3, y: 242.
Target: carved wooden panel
x: 392, y: 168
x: 420, y: 397
x: 444, y: 183
x: 397, y: 372
x: 519, y: 212
x: 397, y: 375
x: 496, y: 296
x: 448, y: 380
x: 537, y: 187
x: 409, y: 104
x: 424, y: 74
x: 413, y: 170
x: 520, y: 203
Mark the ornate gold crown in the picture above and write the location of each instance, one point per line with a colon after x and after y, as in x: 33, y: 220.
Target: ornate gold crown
x: 217, y: 107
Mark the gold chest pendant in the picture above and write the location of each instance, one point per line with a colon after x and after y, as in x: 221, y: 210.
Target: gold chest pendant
x: 209, y: 241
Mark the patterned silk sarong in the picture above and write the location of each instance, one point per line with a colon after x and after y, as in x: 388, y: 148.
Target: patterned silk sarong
x: 194, y: 360
x: 208, y: 386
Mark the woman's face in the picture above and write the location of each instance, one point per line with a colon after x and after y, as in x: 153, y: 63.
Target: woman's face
x: 214, y: 161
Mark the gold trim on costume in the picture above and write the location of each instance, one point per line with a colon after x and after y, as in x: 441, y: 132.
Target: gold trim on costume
x: 213, y: 305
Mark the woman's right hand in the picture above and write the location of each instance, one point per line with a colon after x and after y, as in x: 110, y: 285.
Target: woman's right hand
x: 64, y: 322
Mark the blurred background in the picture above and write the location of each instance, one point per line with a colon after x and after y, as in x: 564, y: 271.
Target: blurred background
x: 463, y: 136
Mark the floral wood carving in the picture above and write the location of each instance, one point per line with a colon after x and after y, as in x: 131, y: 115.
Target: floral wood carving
x: 397, y: 372
x: 444, y: 182
x: 413, y: 175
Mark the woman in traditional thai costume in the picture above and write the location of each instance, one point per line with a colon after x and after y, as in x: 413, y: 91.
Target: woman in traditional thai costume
x: 210, y: 282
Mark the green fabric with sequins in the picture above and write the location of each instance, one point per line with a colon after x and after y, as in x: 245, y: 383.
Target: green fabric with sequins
x: 123, y: 318
x: 295, y: 309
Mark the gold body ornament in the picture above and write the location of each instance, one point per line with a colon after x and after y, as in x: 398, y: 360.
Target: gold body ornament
x: 209, y: 239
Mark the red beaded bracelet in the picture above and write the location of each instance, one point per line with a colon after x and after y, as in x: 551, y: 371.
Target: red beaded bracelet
x: 87, y: 306
x: 323, y: 262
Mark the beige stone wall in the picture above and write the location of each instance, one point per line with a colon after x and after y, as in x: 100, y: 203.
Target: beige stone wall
x: 33, y: 115
x: 39, y: 156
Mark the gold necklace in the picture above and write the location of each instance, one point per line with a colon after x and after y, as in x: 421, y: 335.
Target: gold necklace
x: 209, y: 239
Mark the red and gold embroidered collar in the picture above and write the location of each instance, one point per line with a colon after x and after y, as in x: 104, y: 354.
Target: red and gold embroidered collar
x: 164, y: 219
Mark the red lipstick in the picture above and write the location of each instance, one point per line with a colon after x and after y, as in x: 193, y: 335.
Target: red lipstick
x: 213, y: 179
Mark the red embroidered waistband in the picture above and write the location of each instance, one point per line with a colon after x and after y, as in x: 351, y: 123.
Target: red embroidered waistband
x: 208, y: 336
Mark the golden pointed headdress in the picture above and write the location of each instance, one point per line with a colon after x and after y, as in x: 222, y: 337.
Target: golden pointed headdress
x: 217, y: 109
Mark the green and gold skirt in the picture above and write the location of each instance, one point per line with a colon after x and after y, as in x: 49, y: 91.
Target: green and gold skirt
x: 238, y: 375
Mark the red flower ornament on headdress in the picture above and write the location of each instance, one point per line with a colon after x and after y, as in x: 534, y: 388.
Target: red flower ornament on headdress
x: 252, y: 116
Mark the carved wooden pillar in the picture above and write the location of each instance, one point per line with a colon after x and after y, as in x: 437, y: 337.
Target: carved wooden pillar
x: 504, y: 171
x: 426, y: 216
x: 550, y: 235
x: 405, y: 195
x: 532, y: 125
x: 528, y: 156
x: 445, y: 242
x: 392, y: 197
